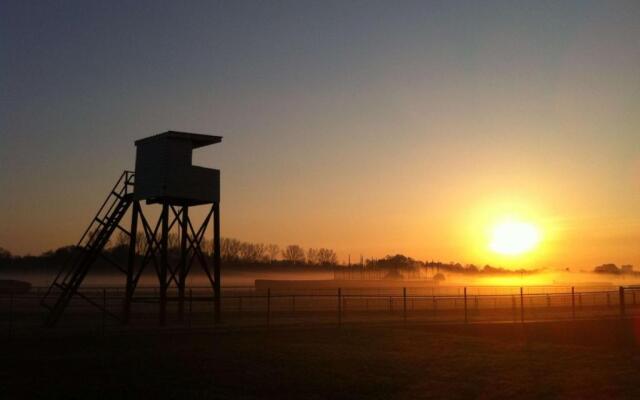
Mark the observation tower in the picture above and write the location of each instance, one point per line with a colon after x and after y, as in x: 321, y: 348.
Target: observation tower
x: 164, y: 177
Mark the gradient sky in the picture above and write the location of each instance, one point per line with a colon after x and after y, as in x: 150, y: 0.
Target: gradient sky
x: 367, y: 127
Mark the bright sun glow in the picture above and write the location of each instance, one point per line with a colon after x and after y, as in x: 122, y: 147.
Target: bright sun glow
x: 514, y: 238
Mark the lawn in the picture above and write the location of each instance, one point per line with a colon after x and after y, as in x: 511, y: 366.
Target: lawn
x: 588, y: 359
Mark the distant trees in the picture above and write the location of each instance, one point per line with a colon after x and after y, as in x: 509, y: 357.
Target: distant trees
x: 607, y: 269
x: 273, y: 251
x: 233, y: 252
x: 397, y: 261
x: 613, y: 269
x: 293, y: 254
x: 321, y: 256
x: 5, y: 257
x: 240, y: 253
x: 407, y: 266
x: 4, y: 254
x: 230, y: 249
x: 312, y: 256
x: 252, y: 252
x: 236, y: 251
x: 626, y: 269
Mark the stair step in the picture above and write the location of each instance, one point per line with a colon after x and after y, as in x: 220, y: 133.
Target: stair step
x: 78, y: 267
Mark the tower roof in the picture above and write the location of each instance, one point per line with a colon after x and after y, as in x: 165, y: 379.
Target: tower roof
x: 196, y: 139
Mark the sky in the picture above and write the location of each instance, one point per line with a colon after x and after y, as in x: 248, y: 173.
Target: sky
x: 368, y: 127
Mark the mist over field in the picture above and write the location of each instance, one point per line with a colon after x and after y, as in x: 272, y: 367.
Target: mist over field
x: 246, y: 278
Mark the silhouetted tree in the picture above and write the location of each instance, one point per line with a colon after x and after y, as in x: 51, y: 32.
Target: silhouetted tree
x: 5, y: 257
x: 120, y: 239
x: 4, y: 254
x: 59, y: 256
x: 489, y: 269
x: 327, y: 257
x: 119, y: 247
x: 607, y: 269
x: 272, y: 250
x: 294, y: 254
x: 230, y: 249
x: 141, y: 243
x: 173, y: 241
x: 252, y: 252
x: 398, y: 261
x: 312, y: 257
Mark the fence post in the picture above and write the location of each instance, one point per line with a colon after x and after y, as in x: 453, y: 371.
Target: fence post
x: 521, y: 305
x: 621, y: 302
x: 465, y: 306
x: 344, y: 305
x: 339, y: 306
x: 104, y: 309
x: 573, y: 302
x: 404, y: 304
x: 435, y: 306
x: 548, y: 300
x: 10, y: 314
x: 268, y: 306
x: 580, y: 299
x: 190, y: 305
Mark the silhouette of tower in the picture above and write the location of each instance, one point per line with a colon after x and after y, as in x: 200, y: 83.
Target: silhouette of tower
x: 164, y: 176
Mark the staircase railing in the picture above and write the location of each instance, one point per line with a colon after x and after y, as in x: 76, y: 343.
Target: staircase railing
x: 122, y: 189
x: 123, y: 186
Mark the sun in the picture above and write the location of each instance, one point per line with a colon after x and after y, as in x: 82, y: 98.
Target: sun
x: 513, y: 238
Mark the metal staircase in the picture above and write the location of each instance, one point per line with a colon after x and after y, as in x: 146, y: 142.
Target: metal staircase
x: 89, y: 248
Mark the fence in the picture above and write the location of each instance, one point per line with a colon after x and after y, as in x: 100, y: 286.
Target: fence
x: 249, y: 307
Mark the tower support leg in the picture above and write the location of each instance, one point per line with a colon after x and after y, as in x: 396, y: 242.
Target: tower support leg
x: 216, y: 261
x: 133, y: 235
x: 164, y: 263
x: 182, y: 273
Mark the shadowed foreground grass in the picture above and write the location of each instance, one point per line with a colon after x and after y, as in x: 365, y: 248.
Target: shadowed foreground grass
x: 598, y: 359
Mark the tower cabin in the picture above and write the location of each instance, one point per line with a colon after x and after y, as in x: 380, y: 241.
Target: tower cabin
x: 164, y: 173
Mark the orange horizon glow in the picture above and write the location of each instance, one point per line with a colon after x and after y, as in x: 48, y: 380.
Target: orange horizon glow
x: 380, y: 130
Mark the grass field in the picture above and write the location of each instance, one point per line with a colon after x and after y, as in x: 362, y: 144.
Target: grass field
x: 580, y: 359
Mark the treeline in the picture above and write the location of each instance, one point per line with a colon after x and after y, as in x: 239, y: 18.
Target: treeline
x: 405, y: 263
x: 236, y: 251
x: 233, y: 252
x: 237, y: 254
x: 614, y: 269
